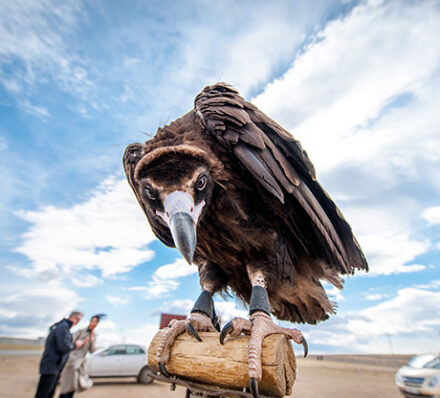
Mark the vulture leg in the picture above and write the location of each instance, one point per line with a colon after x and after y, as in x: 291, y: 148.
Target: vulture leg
x: 258, y: 327
x: 202, y: 318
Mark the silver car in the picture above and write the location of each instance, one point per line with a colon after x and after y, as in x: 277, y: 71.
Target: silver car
x: 122, y: 360
x: 420, y: 377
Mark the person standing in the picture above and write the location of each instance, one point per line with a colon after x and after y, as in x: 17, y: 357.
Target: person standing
x: 74, y: 376
x: 56, y: 351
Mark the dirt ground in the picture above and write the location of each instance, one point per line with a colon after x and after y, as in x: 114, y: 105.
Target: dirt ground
x: 324, y: 378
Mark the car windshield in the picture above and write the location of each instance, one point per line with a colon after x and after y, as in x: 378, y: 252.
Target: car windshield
x: 134, y: 349
x: 420, y: 361
x: 115, y: 350
x: 434, y: 364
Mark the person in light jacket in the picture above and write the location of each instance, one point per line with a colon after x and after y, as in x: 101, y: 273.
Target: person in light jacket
x: 74, y: 377
x: 56, y: 351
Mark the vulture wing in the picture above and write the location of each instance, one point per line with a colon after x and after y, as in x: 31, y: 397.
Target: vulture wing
x: 132, y: 155
x: 282, y: 167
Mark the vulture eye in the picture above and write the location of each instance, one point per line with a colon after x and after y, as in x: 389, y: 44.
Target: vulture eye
x: 150, y: 193
x: 201, y: 184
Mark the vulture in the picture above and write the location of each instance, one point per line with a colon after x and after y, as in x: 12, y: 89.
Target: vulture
x: 237, y: 195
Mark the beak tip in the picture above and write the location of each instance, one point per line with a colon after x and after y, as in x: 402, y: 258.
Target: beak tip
x: 188, y: 259
x: 184, y: 235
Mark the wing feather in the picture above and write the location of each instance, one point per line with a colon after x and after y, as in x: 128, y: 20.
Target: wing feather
x: 278, y: 162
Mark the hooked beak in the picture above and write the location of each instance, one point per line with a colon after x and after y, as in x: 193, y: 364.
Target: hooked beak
x: 181, y: 216
x: 184, y: 236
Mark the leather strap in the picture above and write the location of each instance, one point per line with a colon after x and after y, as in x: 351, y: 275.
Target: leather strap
x: 259, y: 300
x: 205, y: 305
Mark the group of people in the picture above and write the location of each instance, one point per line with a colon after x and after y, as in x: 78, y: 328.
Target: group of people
x: 64, y: 357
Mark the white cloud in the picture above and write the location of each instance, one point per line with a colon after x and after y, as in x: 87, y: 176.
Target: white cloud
x: 431, y: 285
x: 226, y: 310
x: 432, y: 215
x: 106, y: 325
x: 183, y: 306
x: 35, y: 110
x: 247, y: 49
x: 389, y: 252
x: 384, y: 232
x: 375, y: 296
x: 141, y: 335
x: 107, y: 232
x: 33, y: 44
x: 248, y: 59
x: 411, y: 312
x: 117, y: 301
x: 347, y: 76
x: 356, y: 98
x: 333, y: 292
x: 86, y: 280
x: 175, y: 270
x: 29, y: 313
x: 164, y: 279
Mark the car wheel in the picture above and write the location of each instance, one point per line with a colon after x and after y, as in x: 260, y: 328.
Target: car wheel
x: 144, y: 376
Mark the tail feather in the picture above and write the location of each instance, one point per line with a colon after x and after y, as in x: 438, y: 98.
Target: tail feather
x: 305, y: 300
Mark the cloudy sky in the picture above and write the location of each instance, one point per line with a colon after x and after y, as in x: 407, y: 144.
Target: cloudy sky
x: 357, y: 82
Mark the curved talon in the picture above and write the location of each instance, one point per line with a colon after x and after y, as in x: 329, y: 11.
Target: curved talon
x: 228, y: 327
x: 306, y: 346
x: 163, y: 369
x: 254, y: 387
x: 190, y: 329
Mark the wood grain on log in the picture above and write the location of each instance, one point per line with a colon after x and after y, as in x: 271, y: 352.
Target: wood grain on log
x: 226, y: 366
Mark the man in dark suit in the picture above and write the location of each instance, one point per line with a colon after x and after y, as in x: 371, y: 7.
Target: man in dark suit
x: 58, y: 345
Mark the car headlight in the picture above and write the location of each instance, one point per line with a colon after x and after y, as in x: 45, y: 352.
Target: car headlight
x: 434, y: 382
x: 398, y: 378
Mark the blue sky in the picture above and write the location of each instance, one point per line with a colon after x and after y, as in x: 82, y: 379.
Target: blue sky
x: 358, y: 83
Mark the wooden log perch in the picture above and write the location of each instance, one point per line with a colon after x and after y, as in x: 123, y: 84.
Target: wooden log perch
x: 226, y: 366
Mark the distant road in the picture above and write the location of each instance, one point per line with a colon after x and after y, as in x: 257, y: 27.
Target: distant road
x: 20, y: 352
x: 316, y: 378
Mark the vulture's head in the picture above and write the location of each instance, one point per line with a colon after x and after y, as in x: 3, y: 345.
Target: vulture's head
x: 174, y: 185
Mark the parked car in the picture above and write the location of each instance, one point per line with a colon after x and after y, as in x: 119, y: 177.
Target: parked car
x: 122, y: 360
x: 420, y: 377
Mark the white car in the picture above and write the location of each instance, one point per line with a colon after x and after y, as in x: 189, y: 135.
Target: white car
x: 420, y: 377
x: 122, y: 360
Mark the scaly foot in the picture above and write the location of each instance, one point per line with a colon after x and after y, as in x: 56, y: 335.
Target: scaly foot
x: 197, y: 321
x: 258, y: 327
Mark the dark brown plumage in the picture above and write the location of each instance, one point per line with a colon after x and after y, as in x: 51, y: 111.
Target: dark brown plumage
x: 256, y: 203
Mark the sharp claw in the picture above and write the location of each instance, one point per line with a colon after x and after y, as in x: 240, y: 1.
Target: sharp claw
x: 254, y: 387
x: 306, y: 347
x: 192, y: 331
x: 225, y: 332
x: 163, y: 369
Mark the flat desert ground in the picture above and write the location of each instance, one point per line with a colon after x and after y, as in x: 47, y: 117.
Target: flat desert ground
x: 331, y: 377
